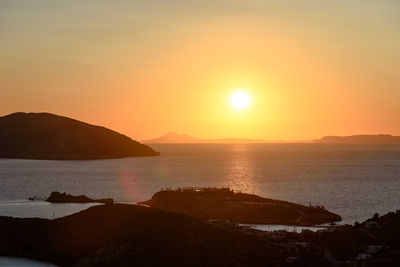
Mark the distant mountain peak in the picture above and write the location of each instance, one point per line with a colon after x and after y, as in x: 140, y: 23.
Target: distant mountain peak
x: 175, y: 134
x: 173, y: 137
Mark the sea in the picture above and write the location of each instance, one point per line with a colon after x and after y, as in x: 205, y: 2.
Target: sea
x: 354, y: 181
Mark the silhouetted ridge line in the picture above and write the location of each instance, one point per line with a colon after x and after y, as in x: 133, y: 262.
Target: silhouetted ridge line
x: 49, y: 136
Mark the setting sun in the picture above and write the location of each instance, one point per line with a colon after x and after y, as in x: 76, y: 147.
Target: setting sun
x: 270, y: 128
x: 240, y: 100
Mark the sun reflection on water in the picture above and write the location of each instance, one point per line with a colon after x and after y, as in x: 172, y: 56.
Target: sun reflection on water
x: 240, y: 170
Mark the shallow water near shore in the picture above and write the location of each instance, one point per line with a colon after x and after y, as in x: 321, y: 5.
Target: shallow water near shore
x: 40, y: 209
x: 354, y: 181
x: 22, y: 262
x: 288, y: 228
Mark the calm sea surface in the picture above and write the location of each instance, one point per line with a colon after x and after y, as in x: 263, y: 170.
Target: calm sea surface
x: 354, y: 181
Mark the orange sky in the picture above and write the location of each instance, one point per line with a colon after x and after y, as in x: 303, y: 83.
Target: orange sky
x: 312, y: 68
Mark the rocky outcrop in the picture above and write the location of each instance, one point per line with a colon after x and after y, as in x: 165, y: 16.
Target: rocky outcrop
x: 57, y: 197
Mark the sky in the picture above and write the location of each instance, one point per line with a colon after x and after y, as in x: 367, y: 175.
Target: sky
x: 143, y: 68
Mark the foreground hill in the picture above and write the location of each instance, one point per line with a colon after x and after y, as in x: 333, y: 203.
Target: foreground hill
x: 131, y: 235
x: 361, y: 139
x: 48, y: 136
x: 225, y: 204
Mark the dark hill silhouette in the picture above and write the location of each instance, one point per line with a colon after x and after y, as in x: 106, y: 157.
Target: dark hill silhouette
x: 361, y: 139
x: 48, y: 136
x: 131, y: 235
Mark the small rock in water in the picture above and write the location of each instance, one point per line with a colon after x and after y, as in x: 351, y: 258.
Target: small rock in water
x: 57, y: 197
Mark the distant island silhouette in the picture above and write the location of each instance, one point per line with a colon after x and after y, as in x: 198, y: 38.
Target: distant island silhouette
x: 176, y: 138
x: 53, y: 137
x: 361, y: 139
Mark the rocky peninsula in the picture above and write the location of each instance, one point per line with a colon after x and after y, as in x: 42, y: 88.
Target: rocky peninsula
x: 225, y: 204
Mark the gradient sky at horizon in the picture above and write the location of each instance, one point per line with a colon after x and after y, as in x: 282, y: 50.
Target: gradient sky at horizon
x: 143, y: 68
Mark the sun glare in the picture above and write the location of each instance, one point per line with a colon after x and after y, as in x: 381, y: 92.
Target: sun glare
x: 240, y: 100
